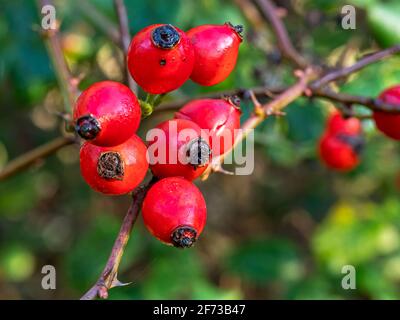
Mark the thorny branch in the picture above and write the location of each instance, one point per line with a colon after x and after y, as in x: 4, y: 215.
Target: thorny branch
x: 371, y: 103
x: 27, y: 159
x: 109, y: 277
x: 261, y: 112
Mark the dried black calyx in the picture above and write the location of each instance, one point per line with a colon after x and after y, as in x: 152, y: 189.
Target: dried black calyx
x: 239, y: 29
x: 184, y: 237
x: 356, y: 142
x: 233, y: 100
x: 110, y: 166
x: 87, y: 127
x: 198, y: 152
x: 165, y: 36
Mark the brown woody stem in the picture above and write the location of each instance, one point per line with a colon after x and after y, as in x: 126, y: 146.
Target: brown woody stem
x: 264, y: 111
x: 68, y: 84
x: 27, y: 159
x: 362, y: 63
x: 109, y: 277
x: 99, y: 20
x: 269, y: 11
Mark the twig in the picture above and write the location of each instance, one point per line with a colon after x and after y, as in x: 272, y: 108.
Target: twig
x: 273, y: 107
x: 342, y: 73
x: 29, y: 158
x: 373, y: 104
x: 101, y: 21
x: 269, y: 10
x: 109, y: 277
x: 251, y: 13
x: 125, y: 38
x: 314, y: 90
x: 67, y: 82
x: 174, y: 105
x: 68, y: 86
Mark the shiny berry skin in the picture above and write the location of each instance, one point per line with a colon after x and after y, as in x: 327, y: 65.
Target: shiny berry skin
x: 338, y: 124
x: 216, y: 50
x: 160, y: 58
x: 114, y: 170
x: 107, y: 113
x: 389, y: 123
x: 175, y: 212
x: 182, y: 151
x: 220, y: 116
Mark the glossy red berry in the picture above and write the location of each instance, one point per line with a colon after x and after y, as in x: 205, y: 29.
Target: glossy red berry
x: 389, y: 123
x: 341, y: 144
x: 216, y: 50
x: 107, y: 113
x: 175, y: 212
x: 160, y: 58
x: 177, y: 148
x: 114, y: 170
x: 220, y: 116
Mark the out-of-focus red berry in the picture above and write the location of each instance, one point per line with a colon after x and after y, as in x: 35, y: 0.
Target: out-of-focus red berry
x: 389, y: 123
x: 337, y: 123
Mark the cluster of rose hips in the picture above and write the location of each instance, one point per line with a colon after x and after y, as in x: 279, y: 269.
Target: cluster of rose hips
x: 342, y: 141
x: 114, y: 160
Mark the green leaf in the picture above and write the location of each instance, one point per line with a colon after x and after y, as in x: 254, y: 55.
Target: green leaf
x: 354, y: 233
x: 172, y: 276
x: 16, y: 263
x: 315, y: 287
x: 88, y: 256
x: 264, y: 261
x: 371, y: 280
x: 384, y: 20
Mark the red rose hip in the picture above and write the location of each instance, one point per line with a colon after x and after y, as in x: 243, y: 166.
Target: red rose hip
x: 389, y: 123
x: 340, y: 151
x: 177, y: 148
x: 220, y: 116
x: 216, y: 50
x: 107, y: 113
x: 160, y: 58
x: 336, y: 123
x: 114, y: 170
x: 342, y: 142
x: 175, y: 212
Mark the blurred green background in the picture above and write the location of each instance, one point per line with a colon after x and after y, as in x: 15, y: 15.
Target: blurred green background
x: 285, y: 232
